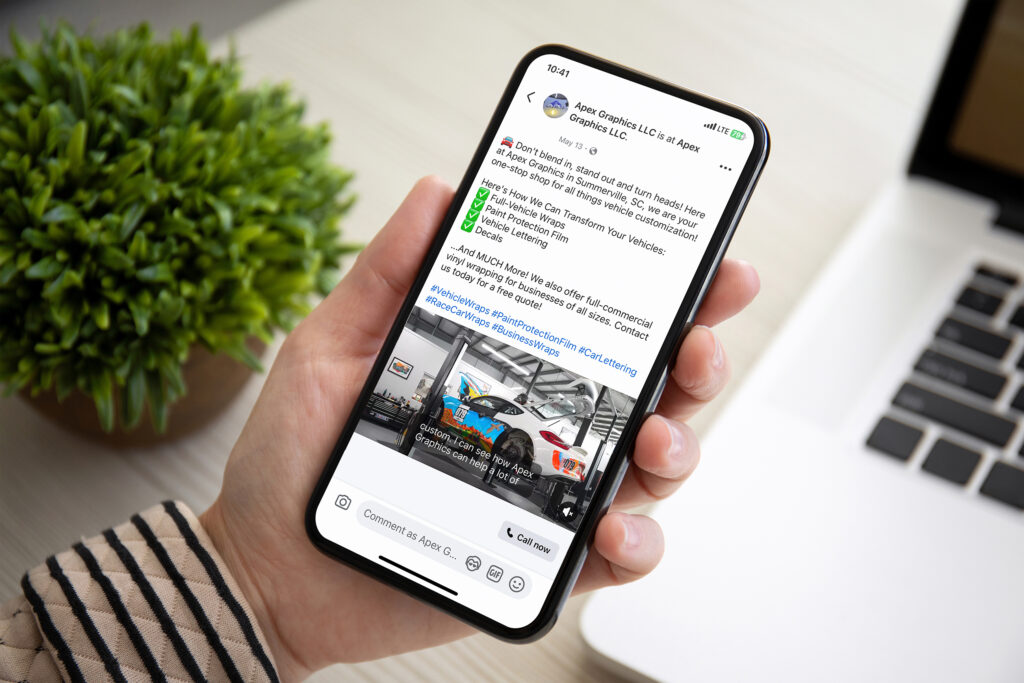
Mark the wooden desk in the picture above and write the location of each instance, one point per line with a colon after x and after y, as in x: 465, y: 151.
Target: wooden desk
x: 408, y: 89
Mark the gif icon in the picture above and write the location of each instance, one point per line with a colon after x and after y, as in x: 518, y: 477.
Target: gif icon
x: 343, y: 501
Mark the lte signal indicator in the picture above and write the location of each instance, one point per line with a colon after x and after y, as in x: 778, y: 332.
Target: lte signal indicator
x: 726, y: 130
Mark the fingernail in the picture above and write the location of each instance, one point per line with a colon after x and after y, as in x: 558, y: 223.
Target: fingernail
x: 718, y: 359
x: 675, y: 446
x: 630, y: 534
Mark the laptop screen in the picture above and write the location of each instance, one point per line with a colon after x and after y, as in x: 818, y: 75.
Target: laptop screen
x: 988, y: 126
x: 972, y: 135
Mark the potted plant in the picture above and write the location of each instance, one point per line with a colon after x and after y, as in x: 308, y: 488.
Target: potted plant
x: 157, y: 221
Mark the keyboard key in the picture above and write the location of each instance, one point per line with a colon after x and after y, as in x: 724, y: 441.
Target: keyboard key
x: 1018, y: 400
x: 979, y: 301
x: 894, y: 438
x: 998, y: 276
x: 950, y: 461
x: 1017, y: 319
x: 963, y: 375
x: 974, y: 338
x: 1005, y: 483
x: 970, y: 420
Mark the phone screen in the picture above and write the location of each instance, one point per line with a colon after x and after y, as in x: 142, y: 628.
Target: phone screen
x: 502, y: 401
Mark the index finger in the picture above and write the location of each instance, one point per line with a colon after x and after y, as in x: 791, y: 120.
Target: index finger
x: 735, y: 285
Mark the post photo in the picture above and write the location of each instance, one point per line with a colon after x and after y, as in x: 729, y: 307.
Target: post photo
x: 495, y: 417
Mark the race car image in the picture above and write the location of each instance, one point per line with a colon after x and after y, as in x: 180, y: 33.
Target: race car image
x: 497, y: 418
x: 521, y: 434
x: 520, y: 431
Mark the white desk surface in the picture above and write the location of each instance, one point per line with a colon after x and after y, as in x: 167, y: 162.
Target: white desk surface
x: 408, y: 88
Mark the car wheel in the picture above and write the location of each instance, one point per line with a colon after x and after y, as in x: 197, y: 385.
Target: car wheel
x: 578, y: 489
x: 517, y: 449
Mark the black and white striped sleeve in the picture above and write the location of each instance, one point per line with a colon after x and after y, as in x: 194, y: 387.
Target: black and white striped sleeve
x: 147, y: 600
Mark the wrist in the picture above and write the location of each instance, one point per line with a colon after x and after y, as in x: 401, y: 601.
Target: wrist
x: 217, y: 528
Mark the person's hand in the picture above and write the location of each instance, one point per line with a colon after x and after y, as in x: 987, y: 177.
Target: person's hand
x: 315, y: 611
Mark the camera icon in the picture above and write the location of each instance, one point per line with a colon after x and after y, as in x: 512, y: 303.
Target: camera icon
x: 343, y: 501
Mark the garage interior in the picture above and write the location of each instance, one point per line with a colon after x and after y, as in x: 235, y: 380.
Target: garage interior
x: 509, y: 371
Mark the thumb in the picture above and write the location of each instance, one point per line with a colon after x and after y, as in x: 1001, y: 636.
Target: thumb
x: 362, y: 307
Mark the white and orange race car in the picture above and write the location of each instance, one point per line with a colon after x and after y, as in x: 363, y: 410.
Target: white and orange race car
x: 523, y: 434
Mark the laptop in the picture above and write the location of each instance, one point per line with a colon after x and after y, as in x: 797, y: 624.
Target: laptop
x: 858, y: 514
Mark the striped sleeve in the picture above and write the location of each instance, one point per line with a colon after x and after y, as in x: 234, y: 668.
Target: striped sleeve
x: 147, y: 600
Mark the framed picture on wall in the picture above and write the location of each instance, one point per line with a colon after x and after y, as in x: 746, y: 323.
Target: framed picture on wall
x: 400, y: 368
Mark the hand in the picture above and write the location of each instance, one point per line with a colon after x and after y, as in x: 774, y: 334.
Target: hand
x: 315, y: 611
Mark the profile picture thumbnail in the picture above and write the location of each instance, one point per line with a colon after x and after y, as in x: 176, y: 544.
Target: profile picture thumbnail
x: 556, y: 105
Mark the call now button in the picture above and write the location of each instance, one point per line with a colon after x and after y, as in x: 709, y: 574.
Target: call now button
x: 528, y: 541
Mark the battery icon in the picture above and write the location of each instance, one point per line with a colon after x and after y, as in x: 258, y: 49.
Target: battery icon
x: 738, y: 134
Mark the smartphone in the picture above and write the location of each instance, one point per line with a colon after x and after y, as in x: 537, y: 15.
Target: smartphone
x: 497, y: 422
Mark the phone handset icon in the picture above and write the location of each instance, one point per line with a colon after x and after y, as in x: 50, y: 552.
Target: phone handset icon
x: 508, y: 530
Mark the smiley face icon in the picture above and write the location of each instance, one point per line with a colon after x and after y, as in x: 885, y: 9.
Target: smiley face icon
x: 516, y: 584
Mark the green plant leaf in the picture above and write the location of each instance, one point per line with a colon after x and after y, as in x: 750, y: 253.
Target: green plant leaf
x: 157, y: 401
x: 101, y: 315
x: 127, y: 94
x: 76, y: 146
x: 158, y: 272
x: 38, y: 239
x: 133, y: 396
x: 103, y: 395
x: 69, y: 335
x: 242, y: 353
x: 132, y: 215
x: 114, y: 259
x: 79, y: 93
x: 129, y: 163
x: 149, y: 202
x: 7, y: 272
x: 140, y: 315
x: 30, y: 76
x: 60, y: 214
x: 65, y: 382
x: 223, y: 212
x: 173, y: 379
x: 45, y: 269
x: 37, y: 205
x: 65, y: 279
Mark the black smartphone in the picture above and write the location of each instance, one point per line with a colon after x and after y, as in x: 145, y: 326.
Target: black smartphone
x: 497, y: 422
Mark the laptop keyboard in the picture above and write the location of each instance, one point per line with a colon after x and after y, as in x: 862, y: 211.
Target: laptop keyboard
x: 957, y: 415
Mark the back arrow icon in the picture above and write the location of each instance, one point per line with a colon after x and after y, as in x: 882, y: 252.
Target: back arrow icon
x: 529, y: 96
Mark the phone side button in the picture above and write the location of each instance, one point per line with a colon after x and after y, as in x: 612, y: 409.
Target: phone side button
x: 656, y: 396
x: 620, y: 474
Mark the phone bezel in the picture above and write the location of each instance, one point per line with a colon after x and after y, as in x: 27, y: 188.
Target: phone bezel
x: 619, y: 457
